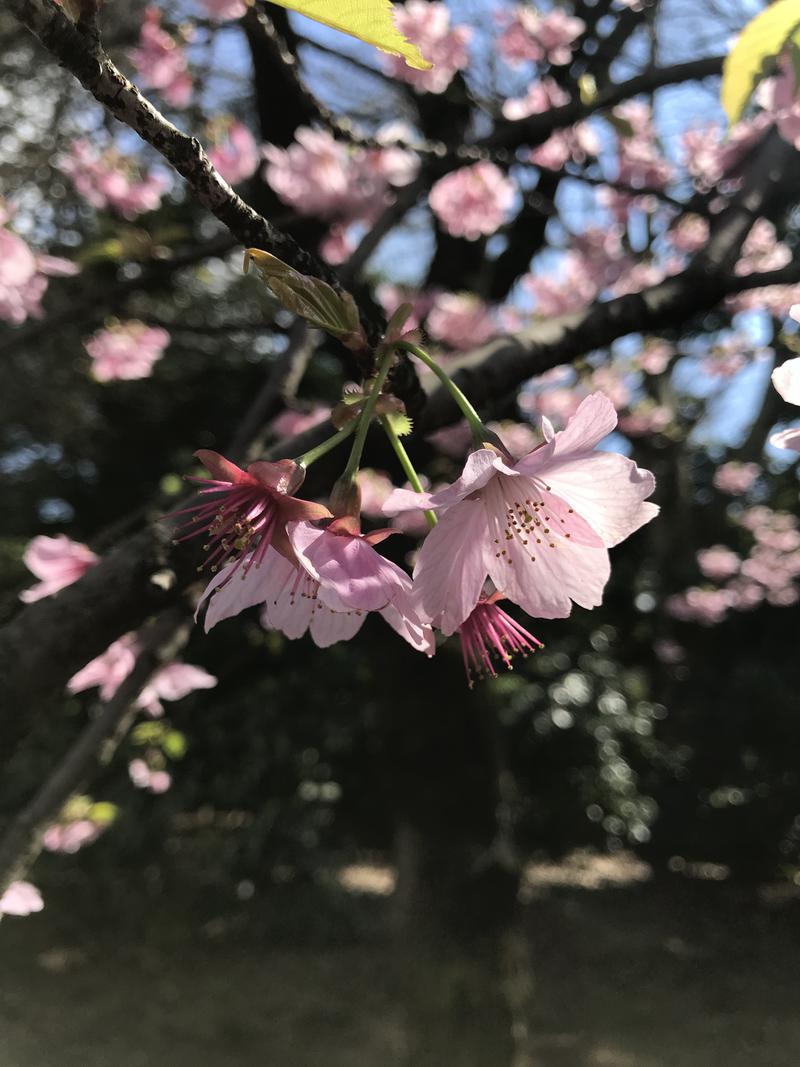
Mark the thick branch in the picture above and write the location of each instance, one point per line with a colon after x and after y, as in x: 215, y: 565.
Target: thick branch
x: 535, y: 129
x: 121, y: 98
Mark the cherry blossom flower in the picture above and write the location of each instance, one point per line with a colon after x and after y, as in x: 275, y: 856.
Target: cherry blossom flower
x: 144, y: 776
x: 23, y: 275
x: 539, y: 528
x: 540, y: 97
x: 576, y: 143
x: 646, y: 419
x: 460, y: 320
x: 307, y: 597
x: 234, y: 152
x: 320, y: 176
x: 57, y: 562
x: 736, y: 478
x: 718, y: 562
x: 472, y: 201
x: 21, y: 898
x: 247, y: 511
x: 224, y: 10
x: 710, y: 156
x: 173, y: 682
x: 426, y: 23
x: 71, y: 837
x: 126, y: 351
x: 706, y: 606
x: 532, y: 36
x: 110, y: 669
x: 490, y: 634
x: 110, y: 180
x: 786, y: 379
x: 160, y: 62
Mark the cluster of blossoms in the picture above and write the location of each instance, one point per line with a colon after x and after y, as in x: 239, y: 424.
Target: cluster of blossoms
x: 533, y: 530
x: 24, y: 274
x: 427, y: 25
x: 160, y: 62
x: 320, y: 176
x: 124, y: 351
x: 109, y: 179
x: 81, y: 822
x: 472, y: 202
x: 233, y: 150
x: 770, y: 572
x: 535, y: 37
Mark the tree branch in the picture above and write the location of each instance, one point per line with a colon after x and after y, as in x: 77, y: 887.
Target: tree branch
x: 95, y: 745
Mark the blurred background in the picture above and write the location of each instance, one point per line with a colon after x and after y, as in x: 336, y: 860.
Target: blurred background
x: 347, y: 856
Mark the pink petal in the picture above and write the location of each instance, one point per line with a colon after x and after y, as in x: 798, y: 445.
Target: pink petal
x: 786, y: 380
x: 404, y: 619
x: 595, y: 418
x: 479, y: 468
x: 607, y: 490
x: 328, y: 627
x: 450, y: 569
x: 177, y: 680
x: 544, y: 577
x: 291, y: 608
x: 21, y: 898
x: 234, y: 589
x: 347, y: 565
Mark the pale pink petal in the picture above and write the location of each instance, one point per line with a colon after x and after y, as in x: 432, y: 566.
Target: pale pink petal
x: 607, y: 490
x: 595, y: 419
x: 404, y: 619
x: 328, y: 627
x: 450, y: 569
x: 291, y: 608
x: 238, y: 587
x: 177, y: 680
x: 21, y: 898
x: 479, y: 468
x: 542, y: 572
x: 786, y: 380
x: 346, y: 564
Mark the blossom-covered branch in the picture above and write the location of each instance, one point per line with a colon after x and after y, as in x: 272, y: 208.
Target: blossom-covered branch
x: 109, y: 86
x: 22, y: 840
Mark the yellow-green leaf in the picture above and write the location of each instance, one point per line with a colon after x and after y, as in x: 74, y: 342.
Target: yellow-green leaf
x: 368, y: 20
x: 314, y: 300
x: 761, y: 41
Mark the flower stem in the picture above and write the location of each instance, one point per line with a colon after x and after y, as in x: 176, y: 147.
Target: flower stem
x: 322, y: 449
x: 365, y: 419
x: 479, y: 431
x: 405, y: 463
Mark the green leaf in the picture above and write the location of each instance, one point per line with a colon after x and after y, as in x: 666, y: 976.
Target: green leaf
x: 752, y: 57
x: 174, y: 744
x: 103, y: 812
x: 310, y: 298
x: 147, y: 733
x: 368, y: 20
